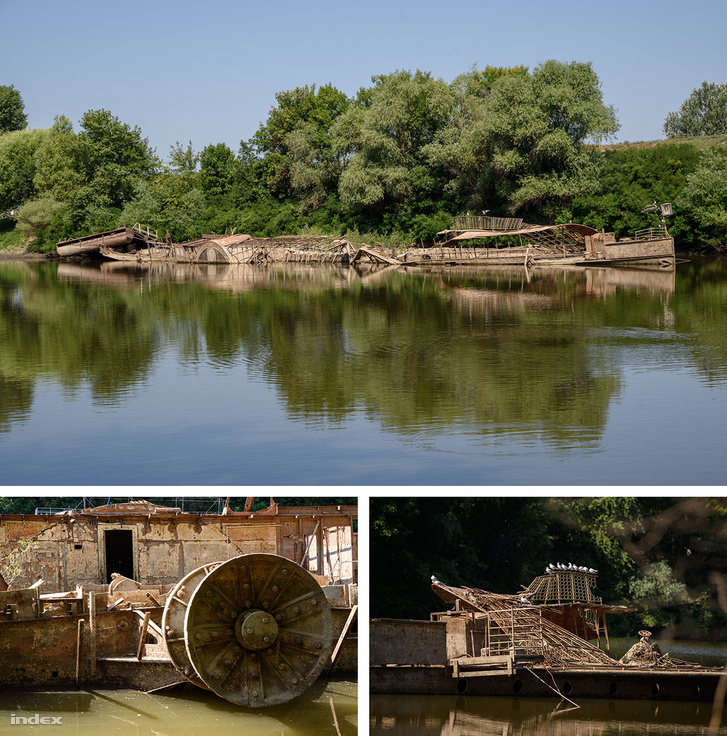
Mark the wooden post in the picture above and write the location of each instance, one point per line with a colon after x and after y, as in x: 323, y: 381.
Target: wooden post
x: 92, y: 631
x: 344, y: 633
x: 142, y: 637
x: 79, y: 641
x: 310, y: 541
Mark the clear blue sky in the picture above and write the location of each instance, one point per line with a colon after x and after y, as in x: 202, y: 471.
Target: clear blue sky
x: 208, y: 71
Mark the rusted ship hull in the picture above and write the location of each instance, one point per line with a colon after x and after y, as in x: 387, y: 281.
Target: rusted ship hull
x: 42, y: 653
x: 120, y: 238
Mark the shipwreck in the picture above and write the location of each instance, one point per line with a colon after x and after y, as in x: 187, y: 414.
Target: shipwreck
x: 477, y: 241
x: 535, y: 643
x: 254, y: 607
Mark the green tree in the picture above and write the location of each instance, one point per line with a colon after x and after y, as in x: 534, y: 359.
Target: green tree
x: 167, y: 202
x: 459, y: 148
x: 535, y: 129
x: 296, y: 144
x: 382, y: 138
x: 118, y: 154
x: 632, y: 177
x: 183, y: 159
x: 217, y: 169
x: 18, y: 165
x: 705, y: 197
x: 12, y: 110
x: 63, y: 162
x: 704, y: 112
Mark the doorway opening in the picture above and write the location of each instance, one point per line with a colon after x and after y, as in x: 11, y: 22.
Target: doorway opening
x: 119, y: 553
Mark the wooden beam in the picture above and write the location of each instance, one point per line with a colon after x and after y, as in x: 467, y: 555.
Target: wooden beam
x: 79, y: 642
x: 92, y: 631
x: 344, y: 633
x: 142, y: 637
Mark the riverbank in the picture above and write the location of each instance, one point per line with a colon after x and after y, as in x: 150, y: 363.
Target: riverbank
x: 23, y: 256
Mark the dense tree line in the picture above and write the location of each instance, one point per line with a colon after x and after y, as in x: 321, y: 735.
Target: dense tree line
x: 395, y: 162
x: 664, y: 555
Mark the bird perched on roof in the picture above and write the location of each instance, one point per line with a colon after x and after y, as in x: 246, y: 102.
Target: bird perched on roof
x: 592, y: 571
x: 525, y: 601
x: 434, y: 580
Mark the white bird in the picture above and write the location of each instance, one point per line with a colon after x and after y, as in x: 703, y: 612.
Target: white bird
x: 434, y: 580
x: 525, y: 601
x: 592, y: 571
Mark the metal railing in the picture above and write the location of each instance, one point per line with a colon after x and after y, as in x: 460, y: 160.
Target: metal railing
x: 484, y: 222
x: 649, y: 233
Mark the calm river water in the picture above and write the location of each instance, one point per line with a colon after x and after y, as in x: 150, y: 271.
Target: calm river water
x: 244, y: 375
x: 329, y: 711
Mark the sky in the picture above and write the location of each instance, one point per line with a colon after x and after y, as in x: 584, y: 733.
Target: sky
x: 207, y: 72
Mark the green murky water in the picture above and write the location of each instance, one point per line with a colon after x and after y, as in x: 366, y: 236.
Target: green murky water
x: 328, y: 709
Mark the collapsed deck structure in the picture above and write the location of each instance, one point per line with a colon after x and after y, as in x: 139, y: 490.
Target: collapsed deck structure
x: 473, y: 241
x: 251, y: 605
x: 533, y: 643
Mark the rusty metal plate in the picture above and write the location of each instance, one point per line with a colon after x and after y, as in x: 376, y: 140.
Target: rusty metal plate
x: 259, y: 630
x: 175, y: 611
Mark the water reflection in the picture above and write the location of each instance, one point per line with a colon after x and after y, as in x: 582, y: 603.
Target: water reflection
x: 447, y: 716
x: 331, y: 711
x: 467, y: 362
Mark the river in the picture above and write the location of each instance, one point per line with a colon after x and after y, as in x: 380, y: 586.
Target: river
x: 298, y: 375
x: 328, y: 709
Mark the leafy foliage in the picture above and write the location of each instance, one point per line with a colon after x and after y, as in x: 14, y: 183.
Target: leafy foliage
x: 705, y: 197
x: 664, y: 554
x: 12, y: 110
x: 704, y: 112
x: 630, y: 179
x: 19, y: 166
x: 382, y: 137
